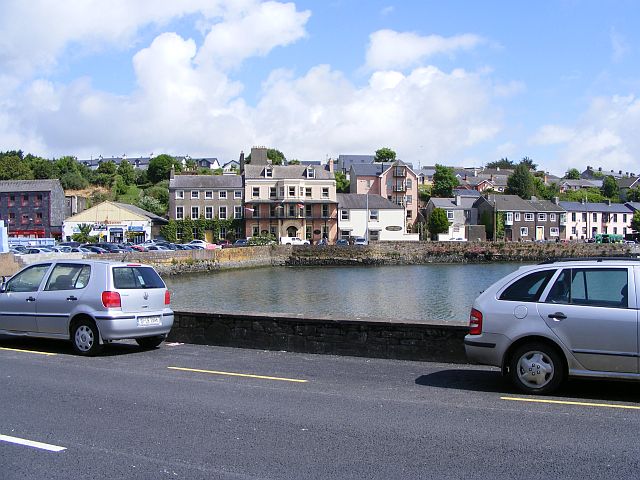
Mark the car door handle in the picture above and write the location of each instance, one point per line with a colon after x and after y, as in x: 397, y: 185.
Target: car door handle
x: 72, y: 298
x: 30, y: 299
x: 557, y: 316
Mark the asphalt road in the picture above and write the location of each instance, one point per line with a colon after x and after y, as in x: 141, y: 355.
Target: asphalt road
x: 178, y: 412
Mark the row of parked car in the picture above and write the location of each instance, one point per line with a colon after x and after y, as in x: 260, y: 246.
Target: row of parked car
x: 109, y: 247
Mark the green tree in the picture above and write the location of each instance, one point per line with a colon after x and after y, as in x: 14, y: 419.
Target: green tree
x: 127, y: 172
x: 610, y: 187
x: 73, y: 181
x: 41, y: 168
x: 548, y: 192
x: 424, y: 193
x: 502, y: 163
x: 84, y: 235
x: 385, y: 154
x: 153, y: 205
x: 572, y: 174
x: 438, y: 222
x: 591, y: 195
x: 521, y: 182
x: 633, y: 195
x: 276, y: 156
x: 190, y: 165
x: 635, y: 221
x: 160, y: 167
x: 444, y: 181
x: 529, y: 163
x: 342, y: 183
x: 293, y: 162
x: 119, y: 187
x: 107, y: 168
x: 13, y: 167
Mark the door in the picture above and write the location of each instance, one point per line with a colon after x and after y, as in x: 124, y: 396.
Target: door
x: 18, y: 301
x: 62, y: 292
x: 539, y: 233
x: 590, y: 311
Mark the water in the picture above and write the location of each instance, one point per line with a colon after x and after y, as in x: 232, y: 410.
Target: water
x: 442, y: 293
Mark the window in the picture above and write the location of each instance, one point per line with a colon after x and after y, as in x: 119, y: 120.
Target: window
x: 307, y: 211
x: 573, y: 216
x: 542, y: 217
x: 574, y: 231
x: 12, y: 200
x: 409, y: 214
x: 615, y: 217
x: 268, y: 172
x: 179, y: 213
x: 554, y: 231
x: 624, y: 217
x: 272, y: 192
x: 273, y: 230
x: 28, y: 280
x: 528, y: 288
x: 208, y: 213
x: 136, y: 278
x: 302, y: 191
x: 373, y: 215
x: 307, y: 232
x: 307, y: 192
x: 255, y: 230
x: 524, y: 231
x: 528, y: 217
x: 517, y: 216
x: 195, y: 212
x: 195, y: 194
x: 325, y: 192
x: 345, y: 234
x: 179, y: 194
x: 223, y: 232
x: 409, y: 184
x: 584, y: 216
x: 38, y: 199
x: 282, y: 191
x: 237, y: 194
x: 344, y: 214
x: 615, y: 230
x: 449, y: 214
x: 292, y: 191
x: 208, y: 195
x: 599, y: 287
x: 552, y: 217
x: 68, y: 277
x: 25, y: 218
x: 311, y: 173
x: 222, y: 194
x: 256, y: 211
x: 292, y: 210
x: 374, y: 235
x: 39, y: 218
x: 25, y: 199
x: 409, y: 199
x: 325, y: 211
x: 222, y: 212
x: 237, y: 211
x: 255, y: 192
x: 594, y: 217
x: 508, y: 218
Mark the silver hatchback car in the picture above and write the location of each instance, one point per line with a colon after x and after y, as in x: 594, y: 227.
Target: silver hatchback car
x: 90, y: 302
x: 568, y: 318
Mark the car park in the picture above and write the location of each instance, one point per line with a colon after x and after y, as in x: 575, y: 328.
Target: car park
x: 560, y: 319
x: 89, y: 302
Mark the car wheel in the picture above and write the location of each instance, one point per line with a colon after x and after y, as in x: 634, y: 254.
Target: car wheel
x: 150, y: 342
x: 537, y: 368
x: 85, y: 338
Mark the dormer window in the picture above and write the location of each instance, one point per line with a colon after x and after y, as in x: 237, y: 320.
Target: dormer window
x: 268, y: 172
x: 311, y: 173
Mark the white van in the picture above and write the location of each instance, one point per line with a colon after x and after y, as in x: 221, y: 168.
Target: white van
x: 293, y: 241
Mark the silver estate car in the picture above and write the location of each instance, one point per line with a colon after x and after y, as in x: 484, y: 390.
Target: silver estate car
x: 567, y: 318
x: 90, y: 302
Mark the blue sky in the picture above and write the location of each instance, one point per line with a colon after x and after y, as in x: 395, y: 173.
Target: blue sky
x: 456, y: 82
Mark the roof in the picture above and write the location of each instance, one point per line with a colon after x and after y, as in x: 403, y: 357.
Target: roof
x: 541, y: 205
x: 205, y: 181
x: 450, y: 203
x: 596, y: 207
x: 286, y: 171
x: 370, y: 169
x: 359, y: 201
x: 627, y: 182
x: 506, y: 203
x: 140, y: 211
x: 29, y: 185
x: 114, y: 211
x: 463, y: 192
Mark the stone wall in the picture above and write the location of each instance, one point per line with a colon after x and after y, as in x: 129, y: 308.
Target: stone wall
x: 366, y: 338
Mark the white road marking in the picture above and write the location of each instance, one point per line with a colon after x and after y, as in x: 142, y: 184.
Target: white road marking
x: 31, y: 443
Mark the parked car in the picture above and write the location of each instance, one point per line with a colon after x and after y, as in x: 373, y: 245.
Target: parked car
x: 293, y: 241
x: 138, y: 248
x: 569, y: 318
x: 224, y: 243
x: 36, y: 250
x: 323, y: 242
x: 95, y: 249
x: 241, y: 242
x: 342, y: 242
x: 204, y: 244
x: 158, y: 248
x: 90, y: 302
x: 361, y: 241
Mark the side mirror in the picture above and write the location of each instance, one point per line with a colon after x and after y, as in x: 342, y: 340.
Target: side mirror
x: 3, y: 286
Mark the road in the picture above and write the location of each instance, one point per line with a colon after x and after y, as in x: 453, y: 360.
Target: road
x: 188, y: 411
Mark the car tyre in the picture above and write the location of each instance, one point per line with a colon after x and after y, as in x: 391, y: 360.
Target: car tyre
x: 537, y: 368
x: 86, y: 338
x: 148, y: 343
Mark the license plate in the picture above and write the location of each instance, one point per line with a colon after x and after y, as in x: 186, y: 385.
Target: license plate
x: 146, y: 321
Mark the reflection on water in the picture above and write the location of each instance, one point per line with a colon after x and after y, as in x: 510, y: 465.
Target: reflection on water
x: 417, y: 292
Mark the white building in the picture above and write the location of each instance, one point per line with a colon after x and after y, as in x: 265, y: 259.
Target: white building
x: 373, y: 217
x: 586, y: 219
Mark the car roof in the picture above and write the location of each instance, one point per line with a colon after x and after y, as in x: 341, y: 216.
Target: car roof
x: 90, y: 261
x: 592, y: 260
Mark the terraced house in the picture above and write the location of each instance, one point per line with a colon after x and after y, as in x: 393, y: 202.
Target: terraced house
x: 208, y: 197
x: 290, y: 201
x: 587, y: 219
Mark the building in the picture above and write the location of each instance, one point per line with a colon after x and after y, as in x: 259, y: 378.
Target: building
x: 32, y: 208
x: 289, y: 201
x: 460, y: 213
x: 586, y: 219
x: 568, y: 185
x: 115, y: 222
x: 373, y: 217
x: 208, y: 197
x: 627, y: 183
x: 523, y: 220
x: 395, y: 181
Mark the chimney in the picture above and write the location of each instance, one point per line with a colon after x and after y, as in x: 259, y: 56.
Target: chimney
x: 172, y: 172
x: 259, y: 156
x: 607, y: 201
x: 582, y: 201
x: 241, y: 161
x: 556, y: 200
x: 534, y: 198
x: 330, y: 165
x: 458, y: 200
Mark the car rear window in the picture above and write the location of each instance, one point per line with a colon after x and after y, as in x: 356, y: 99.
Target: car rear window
x: 528, y: 288
x: 136, y: 277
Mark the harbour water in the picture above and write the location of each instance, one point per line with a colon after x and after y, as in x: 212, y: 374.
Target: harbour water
x: 440, y: 293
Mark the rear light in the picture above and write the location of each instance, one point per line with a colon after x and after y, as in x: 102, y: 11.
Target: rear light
x: 475, y: 322
x: 111, y: 299
x: 167, y: 297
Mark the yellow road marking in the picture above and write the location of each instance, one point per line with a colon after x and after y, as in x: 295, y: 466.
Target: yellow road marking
x: 231, y: 374
x: 564, y: 402
x: 26, y: 351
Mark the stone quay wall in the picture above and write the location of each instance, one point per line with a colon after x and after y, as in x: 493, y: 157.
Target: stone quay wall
x: 364, y: 338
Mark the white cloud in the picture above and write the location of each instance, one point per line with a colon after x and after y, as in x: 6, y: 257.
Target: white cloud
x: 389, y: 49
x: 619, y: 46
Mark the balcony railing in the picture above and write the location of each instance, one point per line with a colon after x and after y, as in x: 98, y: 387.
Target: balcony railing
x: 399, y: 188
x: 399, y: 172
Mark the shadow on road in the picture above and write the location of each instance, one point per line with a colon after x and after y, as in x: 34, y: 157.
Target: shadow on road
x: 493, y: 382
x: 65, y: 348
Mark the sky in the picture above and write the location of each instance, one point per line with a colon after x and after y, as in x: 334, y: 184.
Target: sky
x: 459, y: 83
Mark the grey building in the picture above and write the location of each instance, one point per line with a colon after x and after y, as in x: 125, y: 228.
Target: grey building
x: 460, y: 213
x: 32, y: 208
